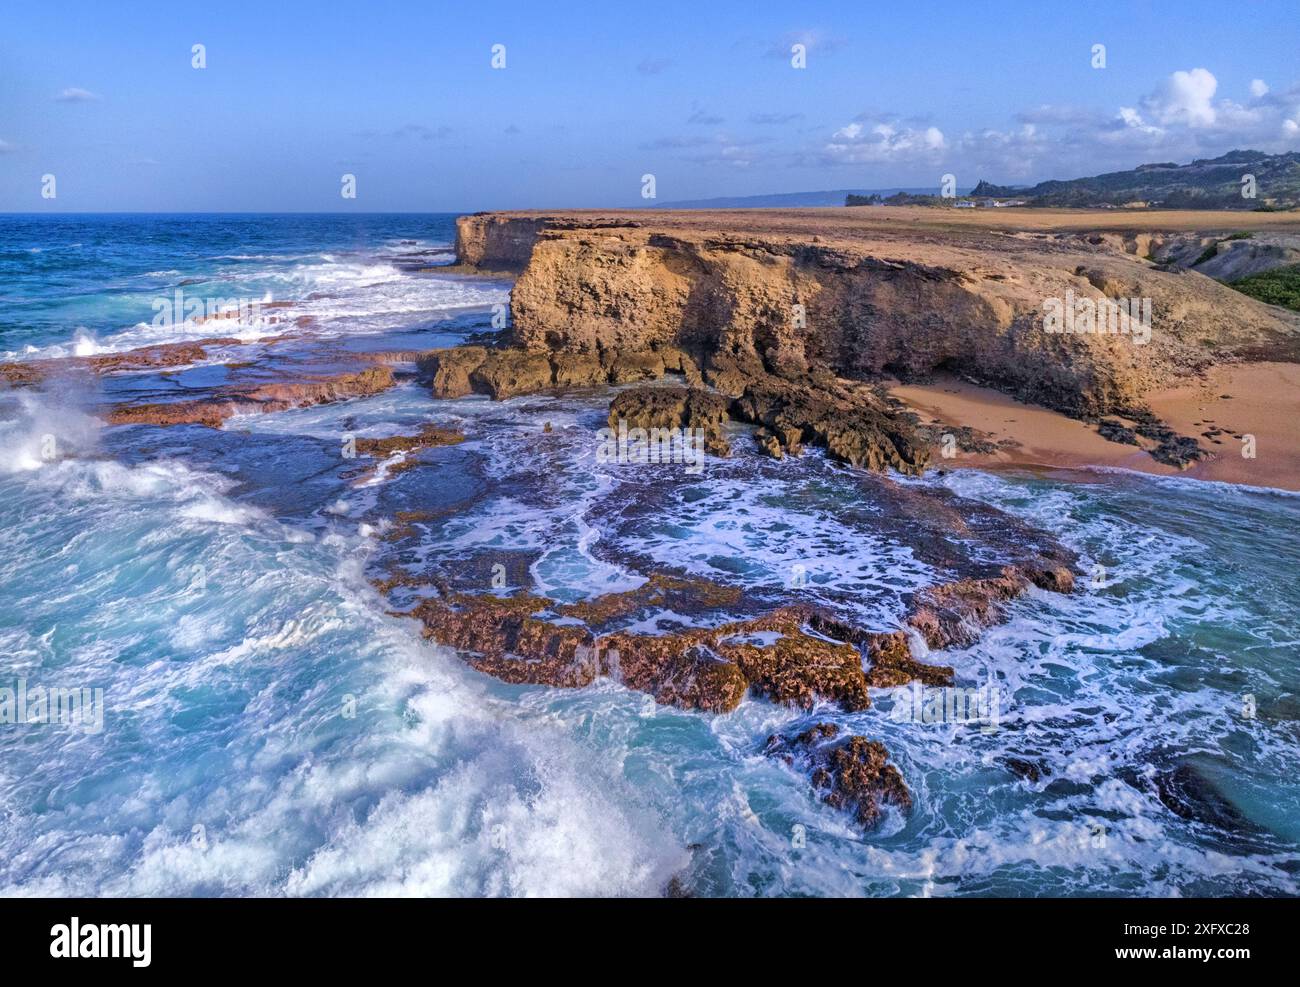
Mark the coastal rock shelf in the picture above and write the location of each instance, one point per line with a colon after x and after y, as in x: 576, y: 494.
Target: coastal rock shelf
x: 783, y: 310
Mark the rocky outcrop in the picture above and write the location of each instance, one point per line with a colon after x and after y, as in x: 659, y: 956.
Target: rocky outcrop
x: 32, y: 372
x: 504, y: 242
x: 449, y: 370
x: 668, y: 408
x: 396, y: 450
x: 518, y: 639
x: 485, y: 240
x: 505, y: 372
x: 793, y: 655
x: 844, y: 417
x: 429, y: 436
x: 752, y: 292
x: 256, y: 399
x: 852, y: 774
x: 953, y: 614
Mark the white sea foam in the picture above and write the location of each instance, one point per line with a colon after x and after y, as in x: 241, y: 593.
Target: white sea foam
x: 435, y: 787
x: 341, y: 297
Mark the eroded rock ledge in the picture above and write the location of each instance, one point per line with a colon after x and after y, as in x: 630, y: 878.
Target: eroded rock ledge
x: 797, y: 654
x: 256, y: 399
x: 769, y: 301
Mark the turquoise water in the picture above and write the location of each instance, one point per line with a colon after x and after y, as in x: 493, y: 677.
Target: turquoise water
x: 268, y: 728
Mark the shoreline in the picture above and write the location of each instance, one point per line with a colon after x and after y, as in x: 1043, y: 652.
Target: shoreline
x: 1229, y: 403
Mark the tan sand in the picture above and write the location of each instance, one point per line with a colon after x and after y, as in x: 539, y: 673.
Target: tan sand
x: 1263, y: 400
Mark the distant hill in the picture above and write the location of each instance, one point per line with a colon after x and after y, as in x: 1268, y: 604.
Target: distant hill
x: 1210, y: 183
x: 788, y: 200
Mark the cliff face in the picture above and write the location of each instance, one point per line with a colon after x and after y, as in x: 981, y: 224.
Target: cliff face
x: 752, y: 294
x: 493, y: 241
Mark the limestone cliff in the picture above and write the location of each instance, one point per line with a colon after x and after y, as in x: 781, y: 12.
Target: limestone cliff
x: 791, y: 293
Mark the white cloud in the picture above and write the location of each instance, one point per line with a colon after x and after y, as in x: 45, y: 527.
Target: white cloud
x: 1181, y: 120
x: 73, y: 94
x: 1186, y: 98
x: 1184, y: 117
x: 855, y: 143
x: 1132, y: 121
x: 6, y: 147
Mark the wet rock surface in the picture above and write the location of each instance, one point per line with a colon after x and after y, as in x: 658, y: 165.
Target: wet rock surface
x: 850, y: 773
x: 430, y: 436
x: 953, y: 614
x: 256, y: 399
x: 1189, y: 791
x: 518, y: 639
x: 164, y: 355
x: 1031, y: 770
x: 845, y: 418
x: 849, y: 419
x: 796, y: 655
x: 668, y: 408
x: 1171, y: 448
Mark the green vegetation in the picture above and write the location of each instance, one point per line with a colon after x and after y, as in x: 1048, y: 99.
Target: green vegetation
x: 1208, y: 253
x: 897, y: 199
x: 1208, y: 183
x: 1213, y: 249
x: 1280, y: 286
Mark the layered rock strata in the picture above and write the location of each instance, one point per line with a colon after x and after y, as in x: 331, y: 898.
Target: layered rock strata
x: 784, y: 311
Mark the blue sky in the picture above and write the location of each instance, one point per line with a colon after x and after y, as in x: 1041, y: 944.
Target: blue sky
x: 594, y: 95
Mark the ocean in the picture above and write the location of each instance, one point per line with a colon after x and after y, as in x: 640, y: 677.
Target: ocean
x: 269, y: 725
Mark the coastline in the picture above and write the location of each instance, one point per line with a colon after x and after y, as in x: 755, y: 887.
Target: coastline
x: 1263, y: 398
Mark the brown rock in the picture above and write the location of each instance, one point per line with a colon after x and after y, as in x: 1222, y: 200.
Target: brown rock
x: 865, y: 293
x: 628, y: 368
x: 30, y: 373
x: 673, y: 408
x: 209, y: 413
x: 261, y: 399
x: 890, y: 663
x: 21, y: 374
x: 321, y: 390
x: 578, y: 369
x: 681, y: 362
x: 847, y: 419
x: 676, y: 669
x: 428, y: 437
x: 852, y: 774
x: 505, y: 640
x: 450, y: 369
x: 700, y: 668
x: 953, y: 614
x: 509, y: 373
x: 668, y: 592
x: 799, y: 669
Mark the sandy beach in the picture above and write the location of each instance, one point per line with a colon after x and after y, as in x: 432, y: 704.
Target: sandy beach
x: 1230, y: 403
